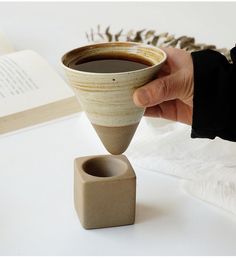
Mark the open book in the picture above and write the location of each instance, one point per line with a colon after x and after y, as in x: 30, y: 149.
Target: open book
x: 31, y: 92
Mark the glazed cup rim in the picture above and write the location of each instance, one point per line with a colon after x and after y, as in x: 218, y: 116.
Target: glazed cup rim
x: 109, y: 44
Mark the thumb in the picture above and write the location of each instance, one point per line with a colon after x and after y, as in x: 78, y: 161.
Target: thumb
x: 160, y: 90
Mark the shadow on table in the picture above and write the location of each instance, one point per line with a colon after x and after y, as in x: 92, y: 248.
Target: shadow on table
x: 145, y: 212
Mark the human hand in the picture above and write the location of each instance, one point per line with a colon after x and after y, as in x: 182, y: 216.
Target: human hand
x: 171, y: 95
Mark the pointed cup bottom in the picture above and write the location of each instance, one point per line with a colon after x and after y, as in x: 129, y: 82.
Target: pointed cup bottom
x: 116, y: 139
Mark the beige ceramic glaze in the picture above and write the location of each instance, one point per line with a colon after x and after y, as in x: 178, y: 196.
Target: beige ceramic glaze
x: 107, y: 97
x: 104, y: 191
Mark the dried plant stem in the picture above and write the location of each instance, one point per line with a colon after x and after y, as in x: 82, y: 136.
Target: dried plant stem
x: 153, y: 38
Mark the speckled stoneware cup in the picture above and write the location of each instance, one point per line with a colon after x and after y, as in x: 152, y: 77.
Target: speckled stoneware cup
x: 107, y: 97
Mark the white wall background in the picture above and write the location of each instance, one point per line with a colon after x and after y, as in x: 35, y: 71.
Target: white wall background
x: 39, y: 25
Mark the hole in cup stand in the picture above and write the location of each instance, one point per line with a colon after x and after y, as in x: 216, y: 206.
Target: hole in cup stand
x: 104, y: 167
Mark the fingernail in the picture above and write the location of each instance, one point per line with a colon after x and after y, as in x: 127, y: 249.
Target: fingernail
x: 142, y: 97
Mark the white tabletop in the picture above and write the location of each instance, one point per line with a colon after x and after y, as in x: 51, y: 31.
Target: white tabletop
x: 37, y: 216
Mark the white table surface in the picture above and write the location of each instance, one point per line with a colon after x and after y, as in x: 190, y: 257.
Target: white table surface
x: 37, y: 216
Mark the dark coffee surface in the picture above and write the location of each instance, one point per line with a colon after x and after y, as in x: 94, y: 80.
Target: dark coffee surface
x: 109, y: 66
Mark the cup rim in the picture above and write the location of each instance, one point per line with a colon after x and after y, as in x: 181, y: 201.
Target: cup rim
x: 106, y: 158
x: 114, y: 43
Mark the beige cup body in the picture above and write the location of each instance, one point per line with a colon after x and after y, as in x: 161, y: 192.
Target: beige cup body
x: 107, y: 97
x: 107, y: 100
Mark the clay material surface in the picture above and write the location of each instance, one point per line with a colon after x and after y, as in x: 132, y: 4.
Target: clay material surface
x: 104, y: 191
x: 116, y: 139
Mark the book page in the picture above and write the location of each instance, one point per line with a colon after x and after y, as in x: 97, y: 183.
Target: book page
x: 28, y: 81
x: 5, y: 45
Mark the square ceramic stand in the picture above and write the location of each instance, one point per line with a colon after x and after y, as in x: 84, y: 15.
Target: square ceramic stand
x: 104, y: 191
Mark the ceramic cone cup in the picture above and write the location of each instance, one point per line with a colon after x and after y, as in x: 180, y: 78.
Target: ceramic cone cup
x: 106, y: 98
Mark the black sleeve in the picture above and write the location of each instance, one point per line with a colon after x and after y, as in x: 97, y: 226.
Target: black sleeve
x: 214, y: 100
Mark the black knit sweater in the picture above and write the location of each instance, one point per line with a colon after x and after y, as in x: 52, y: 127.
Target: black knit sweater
x: 214, y: 100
